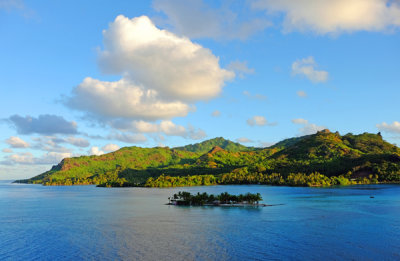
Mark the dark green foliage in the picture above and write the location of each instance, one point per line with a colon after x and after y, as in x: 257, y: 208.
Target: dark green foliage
x: 321, y: 159
x: 199, y: 199
x: 167, y: 181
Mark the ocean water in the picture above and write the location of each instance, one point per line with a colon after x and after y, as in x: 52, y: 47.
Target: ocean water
x: 89, y: 223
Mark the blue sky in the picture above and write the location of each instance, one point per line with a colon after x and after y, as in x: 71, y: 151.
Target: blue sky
x: 90, y: 77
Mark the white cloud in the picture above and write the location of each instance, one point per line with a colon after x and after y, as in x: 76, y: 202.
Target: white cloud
x: 256, y: 96
x: 257, y: 121
x: 311, y: 128
x: 128, y: 138
x: 307, y: 67
x: 49, y: 142
x: 174, y: 66
x: 196, y: 19
x: 22, y: 158
x: 28, y: 158
x: 334, y: 16
x: 52, y: 157
x: 308, y: 128
x: 301, y: 94
x: 124, y: 99
x: 7, y: 150
x: 78, y: 142
x: 240, y: 68
x: 300, y: 121
x: 163, y: 74
x: 95, y: 151
x: 44, y: 124
x: 393, y: 127
x: 166, y: 127
x: 196, y: 134
x: 52, y: 143
x: 171, y: 129
x: 216, y: 113
x: 110, y: 147
x: 17, y: 142
x: 145, y: 127
x: 244, y: 140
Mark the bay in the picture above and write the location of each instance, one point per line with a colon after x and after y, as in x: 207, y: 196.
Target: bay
x: 89, y: 223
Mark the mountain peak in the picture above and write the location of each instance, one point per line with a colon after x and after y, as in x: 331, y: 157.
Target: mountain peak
x: 208, y: 145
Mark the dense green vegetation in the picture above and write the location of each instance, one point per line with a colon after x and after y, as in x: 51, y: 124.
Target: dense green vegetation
x: 243, y: 177
x: 195, y: 180
x: 321, y: 159
x: 205, y: 146
x: 187, y: 199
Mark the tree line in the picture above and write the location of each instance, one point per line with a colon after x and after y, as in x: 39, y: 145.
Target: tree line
x: 199, y: 199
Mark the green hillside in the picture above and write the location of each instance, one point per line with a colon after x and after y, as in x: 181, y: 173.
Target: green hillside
x: 321, y: 159
x: 207, y: 145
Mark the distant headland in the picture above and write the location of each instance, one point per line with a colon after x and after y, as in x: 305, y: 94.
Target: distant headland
x: 322, y: 159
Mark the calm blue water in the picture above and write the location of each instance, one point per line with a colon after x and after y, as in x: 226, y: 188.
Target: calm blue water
x: 89, y: 223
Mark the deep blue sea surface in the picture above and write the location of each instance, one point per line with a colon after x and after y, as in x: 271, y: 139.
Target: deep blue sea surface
x: 89, y: 223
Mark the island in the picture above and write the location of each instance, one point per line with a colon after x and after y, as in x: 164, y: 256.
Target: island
x: 322, y: 159
x: 183, y: 198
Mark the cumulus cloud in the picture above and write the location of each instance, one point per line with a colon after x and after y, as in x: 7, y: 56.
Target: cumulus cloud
x: 124, y: 99
x: 44, y: 124
x: 49, y: 143
x: 308, y: 67
x: 163, y: 74
x: 259, y: 121
x: 183, y: 69
x: 22, y: 158
x: 240, y: 68
x: 334, y: 16
x: 307, y: 127
x: 171, y: 129
x: 300, y: 121
x: 243, y: 140
x: 196, y: 134
x: 78, y: 142
x: 216, y: 113
x: 256, y: 96
x: 95, y: 151
x: 28, y: 158
x: 393, y: 127
x: 196, y: 19
x: 52, y: 143
x: 7, y: 150
x: 52, y: 157
x: 166, y: 127
x: 17, y: 142
x: 301, y: 94
x: 128, y: 137
x: 110, y: 147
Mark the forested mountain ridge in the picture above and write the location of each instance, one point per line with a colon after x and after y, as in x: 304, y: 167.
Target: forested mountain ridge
x: 324, y: 158
x: 207, y: 145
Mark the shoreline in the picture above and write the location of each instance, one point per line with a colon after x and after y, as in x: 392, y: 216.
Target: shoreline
x: 226, y: 205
